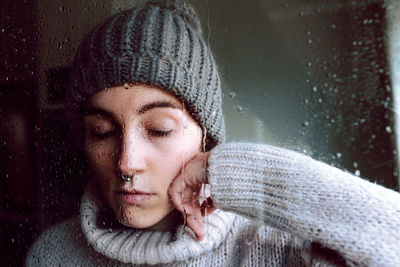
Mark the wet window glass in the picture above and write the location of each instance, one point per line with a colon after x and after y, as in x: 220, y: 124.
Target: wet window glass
x: 315, y: 76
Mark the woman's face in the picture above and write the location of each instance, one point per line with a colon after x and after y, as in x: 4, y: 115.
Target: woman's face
x: 141, y: 130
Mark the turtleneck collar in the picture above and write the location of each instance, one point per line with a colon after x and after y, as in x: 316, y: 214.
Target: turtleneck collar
x: 137, y: 246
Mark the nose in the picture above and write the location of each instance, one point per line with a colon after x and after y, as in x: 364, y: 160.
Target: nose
x: 132, y: 154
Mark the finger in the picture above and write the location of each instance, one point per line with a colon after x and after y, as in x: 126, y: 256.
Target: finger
x: 175, y: 192
x: 207, y: 206
x: 187, y: 195
x: 197, y: 226
x: 195, y: 170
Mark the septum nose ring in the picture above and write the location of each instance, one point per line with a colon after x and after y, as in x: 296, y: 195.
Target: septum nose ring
x: 127, y: 178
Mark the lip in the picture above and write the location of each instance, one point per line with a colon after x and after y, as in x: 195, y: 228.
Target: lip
x: 133, y: 197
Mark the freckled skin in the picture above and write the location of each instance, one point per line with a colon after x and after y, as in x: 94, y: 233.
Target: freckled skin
x: 154, y: 145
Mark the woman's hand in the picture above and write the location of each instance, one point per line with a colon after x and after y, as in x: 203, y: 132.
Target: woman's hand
x: 185, y: 192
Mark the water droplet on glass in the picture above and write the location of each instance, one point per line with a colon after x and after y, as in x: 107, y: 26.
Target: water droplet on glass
x: 239, y: 108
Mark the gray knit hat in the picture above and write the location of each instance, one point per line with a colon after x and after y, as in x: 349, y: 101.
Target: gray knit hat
x: 158, y: 43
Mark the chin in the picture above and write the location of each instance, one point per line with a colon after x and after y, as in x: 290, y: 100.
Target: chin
x: 134, y: 223
x: 134, y: 217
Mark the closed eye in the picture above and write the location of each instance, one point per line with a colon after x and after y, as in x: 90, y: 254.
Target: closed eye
x: 101, y: 136
x: 158, y: 133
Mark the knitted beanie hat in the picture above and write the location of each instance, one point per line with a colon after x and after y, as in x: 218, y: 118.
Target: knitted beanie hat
x: 160, y: 44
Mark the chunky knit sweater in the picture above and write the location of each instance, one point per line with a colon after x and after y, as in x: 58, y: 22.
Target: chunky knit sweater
x: 275, y: 208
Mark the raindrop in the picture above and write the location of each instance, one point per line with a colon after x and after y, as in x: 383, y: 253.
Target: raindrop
x: 305, y: 123
x: 338, y: 155
x: 315, y: 88
x: 355, y: 164
x: 388, y: 129
x: 357, y: 173
x: 239, y: 108
x: 333, y: 26
x: 232, y: 94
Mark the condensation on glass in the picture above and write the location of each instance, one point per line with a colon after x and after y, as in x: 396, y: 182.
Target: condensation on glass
x: 316, y: 76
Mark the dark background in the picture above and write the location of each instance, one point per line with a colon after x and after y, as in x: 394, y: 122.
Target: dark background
x: 307, y: 75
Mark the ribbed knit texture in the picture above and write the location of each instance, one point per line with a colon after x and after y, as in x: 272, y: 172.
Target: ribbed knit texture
x: 291, y: 211
x: 133, y: 245
x: 159, y: 44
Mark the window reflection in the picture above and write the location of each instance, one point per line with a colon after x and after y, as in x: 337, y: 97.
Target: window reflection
x: 312, y: 76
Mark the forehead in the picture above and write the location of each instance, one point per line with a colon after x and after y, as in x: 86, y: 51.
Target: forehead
x: 119, y: 100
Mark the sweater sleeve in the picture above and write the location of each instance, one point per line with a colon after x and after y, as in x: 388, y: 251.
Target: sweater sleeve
x: 294, y: 193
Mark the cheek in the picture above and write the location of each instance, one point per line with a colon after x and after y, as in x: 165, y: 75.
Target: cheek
x: 180, y: 150
x: 99, y: 154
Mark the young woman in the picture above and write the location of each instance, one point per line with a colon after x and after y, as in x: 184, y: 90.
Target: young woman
x: 145, y: 103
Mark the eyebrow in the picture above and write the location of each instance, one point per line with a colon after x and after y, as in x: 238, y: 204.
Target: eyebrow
x: 156, y: 104
x: 88, y: 111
